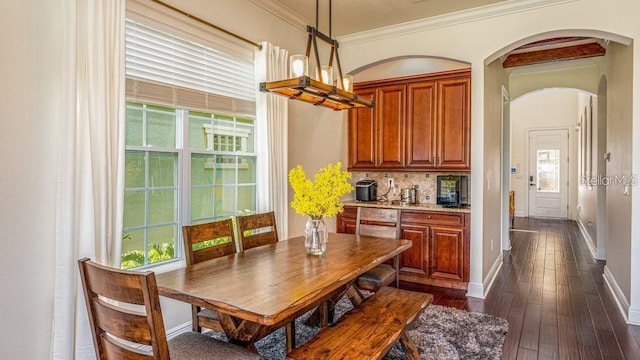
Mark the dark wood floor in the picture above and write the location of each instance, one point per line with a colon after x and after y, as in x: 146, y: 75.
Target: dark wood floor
x: 553, y: 294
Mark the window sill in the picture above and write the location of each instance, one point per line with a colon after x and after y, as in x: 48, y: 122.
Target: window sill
x: 164, y: 267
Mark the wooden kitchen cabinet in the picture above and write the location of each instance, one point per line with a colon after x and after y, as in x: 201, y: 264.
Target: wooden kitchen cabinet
x: 414, y: 261
x: 419, y: 123
x: 346, y: 221
x: 362, y: 135
x: 439, y: 254
x: 453, y: 126
x: 446, y: 253
x: 390, y: 117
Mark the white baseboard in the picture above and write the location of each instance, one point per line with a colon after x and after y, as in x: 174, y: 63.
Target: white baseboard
x: 480, y: 291
x: 182, y: 328
x: 634, y: 316
x: 618, y: 295
x: 519, y: 213
x: 475, y: 290
x: 595, y: 252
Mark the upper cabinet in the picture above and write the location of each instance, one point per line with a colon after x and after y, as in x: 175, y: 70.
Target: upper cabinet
x: 418, y: 123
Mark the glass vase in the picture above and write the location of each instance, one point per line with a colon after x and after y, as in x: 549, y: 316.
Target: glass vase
x: 315, y: 236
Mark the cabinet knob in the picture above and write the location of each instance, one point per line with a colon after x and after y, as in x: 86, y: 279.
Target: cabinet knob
x: 429, y: 217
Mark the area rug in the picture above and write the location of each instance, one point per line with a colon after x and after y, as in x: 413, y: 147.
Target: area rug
x: 441, y: 333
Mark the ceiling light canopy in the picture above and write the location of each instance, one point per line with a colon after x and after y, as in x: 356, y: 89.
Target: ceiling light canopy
x: 321, y: 90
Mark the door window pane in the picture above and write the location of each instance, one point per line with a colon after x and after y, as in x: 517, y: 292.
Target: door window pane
x: 548, y: 170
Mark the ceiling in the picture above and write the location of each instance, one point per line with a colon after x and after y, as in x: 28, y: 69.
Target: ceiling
x: 353, y: 16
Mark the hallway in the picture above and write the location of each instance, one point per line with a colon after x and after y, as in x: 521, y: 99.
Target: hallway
x: 554, y: 296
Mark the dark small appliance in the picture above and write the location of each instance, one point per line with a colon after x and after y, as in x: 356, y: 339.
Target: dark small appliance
x: 453, y: 190
x: 367, y: 190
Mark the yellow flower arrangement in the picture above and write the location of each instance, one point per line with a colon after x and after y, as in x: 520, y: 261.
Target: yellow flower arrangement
x: 319, y: 198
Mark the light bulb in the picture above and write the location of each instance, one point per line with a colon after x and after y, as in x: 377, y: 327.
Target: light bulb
x: 327, y: 74
x: 298, y: 66
x: 347, y: 83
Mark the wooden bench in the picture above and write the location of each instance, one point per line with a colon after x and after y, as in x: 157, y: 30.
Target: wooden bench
x: 370, y: 330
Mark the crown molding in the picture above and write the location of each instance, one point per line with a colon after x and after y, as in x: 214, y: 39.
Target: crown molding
x: 283, y: 13
x: 460, y: 17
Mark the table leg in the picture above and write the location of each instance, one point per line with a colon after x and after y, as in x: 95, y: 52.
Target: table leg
x: 354, y: 295
x: 315, y: 319
x: 410, y: 348
x: 241, y: 332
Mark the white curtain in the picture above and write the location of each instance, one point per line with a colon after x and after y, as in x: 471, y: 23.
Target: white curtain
x: 271, y: 127
x: 90, y: 173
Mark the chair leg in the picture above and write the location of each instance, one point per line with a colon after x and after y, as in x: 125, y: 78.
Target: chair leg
x: 396, y: 266
x: 195, y: 322
x: 290, y: 331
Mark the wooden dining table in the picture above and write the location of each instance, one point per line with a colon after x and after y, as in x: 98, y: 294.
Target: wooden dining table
x: 265, y: 288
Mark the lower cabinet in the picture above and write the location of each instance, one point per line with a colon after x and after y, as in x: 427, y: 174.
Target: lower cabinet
x: 439, y: 255
x: 446, y: 253
x: 414, y: 261
x: 346, y: 221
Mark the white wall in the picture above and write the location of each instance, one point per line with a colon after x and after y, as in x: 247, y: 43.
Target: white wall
x: 546, y: 109
x: 619, y: 143
x: 495, y: 79
x: 587, y: 208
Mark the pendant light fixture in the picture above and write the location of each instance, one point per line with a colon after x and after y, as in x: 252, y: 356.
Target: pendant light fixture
x: 322, y: 90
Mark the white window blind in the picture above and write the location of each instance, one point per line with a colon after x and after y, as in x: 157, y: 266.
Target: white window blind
x: 166, y: 69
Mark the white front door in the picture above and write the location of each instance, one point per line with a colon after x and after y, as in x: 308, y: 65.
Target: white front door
x: 548, y: 168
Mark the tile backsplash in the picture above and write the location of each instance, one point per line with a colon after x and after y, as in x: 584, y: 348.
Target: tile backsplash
x: 426, y: 183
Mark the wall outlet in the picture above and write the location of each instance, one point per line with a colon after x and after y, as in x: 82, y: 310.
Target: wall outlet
x: 427, y: 197
x: 390, y: 182
x: 491, y: 244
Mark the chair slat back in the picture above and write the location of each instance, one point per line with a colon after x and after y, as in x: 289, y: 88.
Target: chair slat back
x: 109, y: 294
x: 378, y: 222
x: 220, y: 232
x: 257, y: 230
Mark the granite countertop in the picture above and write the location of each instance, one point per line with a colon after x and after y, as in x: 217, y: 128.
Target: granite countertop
x: 420, y: 206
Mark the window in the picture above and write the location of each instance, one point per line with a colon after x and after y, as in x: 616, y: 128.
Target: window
x: 190, y: 146
x: 548, y: 169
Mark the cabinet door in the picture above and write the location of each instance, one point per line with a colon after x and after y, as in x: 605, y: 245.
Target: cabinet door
x: 420, y: 131
x: 346, y: 221
x: 454, y: 125
x: 446, y: 253
x: 362, y: 135
x: 349, y: 226
x: 413, y: 261
x: 390, y: 115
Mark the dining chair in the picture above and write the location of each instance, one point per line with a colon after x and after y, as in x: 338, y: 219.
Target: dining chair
x: 257, y: 230
x: 203, y: 242
x: 381, y: 223
x: 126, y: 319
